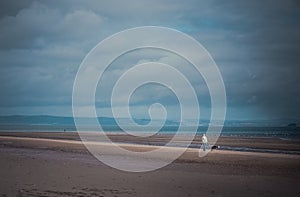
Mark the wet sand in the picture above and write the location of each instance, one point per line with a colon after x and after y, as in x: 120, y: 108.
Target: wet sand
x: 262, y: 143
x: 58, y: 164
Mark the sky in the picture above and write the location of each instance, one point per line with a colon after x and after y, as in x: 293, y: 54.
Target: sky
x: 256, y: 45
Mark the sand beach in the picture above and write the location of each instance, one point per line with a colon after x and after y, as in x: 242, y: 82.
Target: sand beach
x: 58, y: 164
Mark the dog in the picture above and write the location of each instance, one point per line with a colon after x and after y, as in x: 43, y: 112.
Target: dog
x: 215, y: 147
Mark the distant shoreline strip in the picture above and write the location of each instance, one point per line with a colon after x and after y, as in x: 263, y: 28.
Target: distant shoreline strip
x: 192, y: 146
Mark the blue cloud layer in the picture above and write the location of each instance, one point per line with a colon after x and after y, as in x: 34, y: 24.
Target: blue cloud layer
x: 254, y: 43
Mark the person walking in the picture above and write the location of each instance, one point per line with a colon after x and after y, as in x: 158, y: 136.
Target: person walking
x: 204, y: 142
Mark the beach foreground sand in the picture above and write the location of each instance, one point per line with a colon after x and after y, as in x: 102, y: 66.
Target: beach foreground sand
x: 59, y: 165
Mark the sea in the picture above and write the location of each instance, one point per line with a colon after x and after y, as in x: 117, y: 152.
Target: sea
x: 287, y: 131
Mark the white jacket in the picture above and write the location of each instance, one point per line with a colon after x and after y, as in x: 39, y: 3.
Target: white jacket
x: 204, y: 139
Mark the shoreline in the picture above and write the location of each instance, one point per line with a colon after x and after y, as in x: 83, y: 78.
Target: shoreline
x: 224, y: 135
x: 76, y: 146
x: 243, y: 144
x: 75, y: 139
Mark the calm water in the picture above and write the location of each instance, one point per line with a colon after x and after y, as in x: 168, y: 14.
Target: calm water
x: 280, y: 132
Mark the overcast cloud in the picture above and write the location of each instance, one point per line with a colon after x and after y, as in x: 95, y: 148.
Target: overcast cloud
x: 256, y: 45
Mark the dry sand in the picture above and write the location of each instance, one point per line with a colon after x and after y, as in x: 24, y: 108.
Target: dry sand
x: 57, y: 164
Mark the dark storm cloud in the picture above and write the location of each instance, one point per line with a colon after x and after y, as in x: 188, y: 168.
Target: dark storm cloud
x: 274, y: 43
x: 257, y: 50
x: 11, y: 8
x: 256, y: 45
